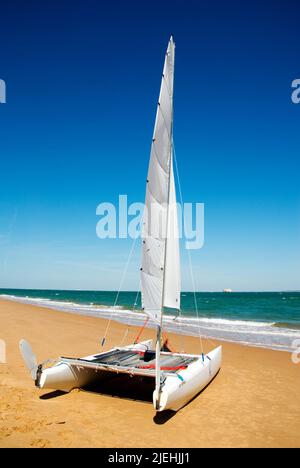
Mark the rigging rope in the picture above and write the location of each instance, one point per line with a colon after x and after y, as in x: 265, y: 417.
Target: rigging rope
x: 141, y: 330
x: 119, y: 290
x: 167, y: 343
x: 189, y: 255
x: 129, y: 324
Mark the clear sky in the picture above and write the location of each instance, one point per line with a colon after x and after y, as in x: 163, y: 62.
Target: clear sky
x: 82, y: 83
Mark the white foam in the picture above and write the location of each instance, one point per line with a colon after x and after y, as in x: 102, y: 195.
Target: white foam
x: 254, y: 333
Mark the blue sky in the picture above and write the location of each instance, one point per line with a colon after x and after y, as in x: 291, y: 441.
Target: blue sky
x: 82, y: 85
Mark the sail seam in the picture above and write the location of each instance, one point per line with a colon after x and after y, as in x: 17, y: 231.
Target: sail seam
x: 156, y: 157
x: 165, y: 123
x: 153, y: 196
x: 152, y: 276
x: 168, y: 89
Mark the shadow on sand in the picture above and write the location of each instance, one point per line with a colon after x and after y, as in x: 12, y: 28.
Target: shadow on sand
x: 54, y: 394
x: 127, y: 388
x: 163, y: 417
x: 124, y: 386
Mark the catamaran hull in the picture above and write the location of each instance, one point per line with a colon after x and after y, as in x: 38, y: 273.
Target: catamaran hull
x: 66, y: 377
x: 180, y: 388
x: 177, y: 390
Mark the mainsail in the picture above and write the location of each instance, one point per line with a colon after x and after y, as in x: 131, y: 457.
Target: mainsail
x: 160, y: 269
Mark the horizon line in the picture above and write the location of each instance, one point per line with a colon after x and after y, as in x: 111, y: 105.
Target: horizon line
x: 135, y: 290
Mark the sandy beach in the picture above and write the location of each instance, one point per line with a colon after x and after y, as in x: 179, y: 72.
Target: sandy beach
x: 253, y: 402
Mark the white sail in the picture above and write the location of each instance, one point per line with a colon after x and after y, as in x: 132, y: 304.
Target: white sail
x: 172, y: 260
x: 160, y: 277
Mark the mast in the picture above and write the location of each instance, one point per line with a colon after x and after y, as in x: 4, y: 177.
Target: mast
x: 159, y: 328
x: 160, y: 271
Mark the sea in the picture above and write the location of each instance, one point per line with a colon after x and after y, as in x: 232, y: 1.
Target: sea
x: 263, y: 319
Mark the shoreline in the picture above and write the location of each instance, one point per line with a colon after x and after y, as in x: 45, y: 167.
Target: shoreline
x: 254, y: 401
x: 212, y: 328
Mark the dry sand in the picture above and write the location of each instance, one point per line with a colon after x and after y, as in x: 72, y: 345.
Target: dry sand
x: 253, y: 401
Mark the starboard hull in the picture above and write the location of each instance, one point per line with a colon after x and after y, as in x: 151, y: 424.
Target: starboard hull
x: 182, y: 387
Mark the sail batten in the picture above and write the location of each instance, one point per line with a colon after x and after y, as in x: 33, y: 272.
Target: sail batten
x: 160, y: 275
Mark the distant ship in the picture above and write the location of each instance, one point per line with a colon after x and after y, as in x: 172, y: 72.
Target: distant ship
x: 227, y: 290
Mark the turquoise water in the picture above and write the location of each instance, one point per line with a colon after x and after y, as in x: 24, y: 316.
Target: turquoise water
x: 268, y: 319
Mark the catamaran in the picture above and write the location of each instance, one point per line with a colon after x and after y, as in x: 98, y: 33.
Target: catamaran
x: 177, y: 377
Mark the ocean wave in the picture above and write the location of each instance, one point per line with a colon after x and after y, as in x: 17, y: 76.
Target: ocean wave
x: 218, y: 321
x: 287, y: 325
x: 279, y: 335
